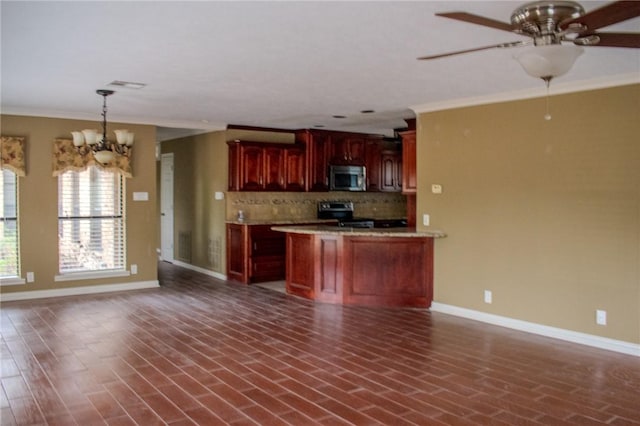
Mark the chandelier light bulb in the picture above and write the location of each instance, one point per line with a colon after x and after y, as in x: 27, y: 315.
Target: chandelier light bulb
x: 90, y: 136
x: 121, y: 136
x: 78, y: 139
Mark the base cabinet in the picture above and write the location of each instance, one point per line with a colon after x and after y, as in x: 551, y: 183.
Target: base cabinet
x: 371, y: 271
x: 255, y: 253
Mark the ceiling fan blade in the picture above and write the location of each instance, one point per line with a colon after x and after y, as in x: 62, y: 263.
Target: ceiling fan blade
x: 609, y: 14
x: 494, y: 46
x: 614, y: 40
x: 476, y: 19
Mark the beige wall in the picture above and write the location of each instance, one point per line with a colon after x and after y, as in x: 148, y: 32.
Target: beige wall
x: 545, y: 214
x: 200, y: 170
x: 38, y: 203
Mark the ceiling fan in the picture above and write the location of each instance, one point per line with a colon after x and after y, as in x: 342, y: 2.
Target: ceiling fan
x: 549, y: 23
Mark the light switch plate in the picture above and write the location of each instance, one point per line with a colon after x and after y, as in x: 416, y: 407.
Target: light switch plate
x: 436, y: 188
x: 140, y: 196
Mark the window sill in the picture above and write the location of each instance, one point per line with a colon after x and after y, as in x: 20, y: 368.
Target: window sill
x: 12, y: 281
x: 76, y: 276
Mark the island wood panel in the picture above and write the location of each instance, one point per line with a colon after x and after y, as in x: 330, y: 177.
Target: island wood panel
x: 328, y: 264
x: 300, y: 265
x: 392, y: 272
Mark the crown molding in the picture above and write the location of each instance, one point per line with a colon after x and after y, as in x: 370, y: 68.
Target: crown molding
x: 557, y: 89
x: 113, y: 118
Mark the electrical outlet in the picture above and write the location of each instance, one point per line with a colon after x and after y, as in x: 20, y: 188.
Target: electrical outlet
x: 488, y: 296
x: 425, y: 219
x: 601, y: 317
x: 134, y: 269
x: 30, y: 277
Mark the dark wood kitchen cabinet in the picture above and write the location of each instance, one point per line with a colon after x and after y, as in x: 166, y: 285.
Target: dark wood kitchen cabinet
x: 409, y: 172
x: 348, y: 148
x: 255, y: 253
x: 384, y: 166
x: 391, y: 171
x: 409, y: 167
x: 373, y: 164
x: 317, y: 144
x: 273, y: 169
x: 256, y: 166
x: 326, y: 147
x: 294, y: 169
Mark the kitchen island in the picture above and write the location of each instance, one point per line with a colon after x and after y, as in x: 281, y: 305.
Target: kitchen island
x: 372, y: 267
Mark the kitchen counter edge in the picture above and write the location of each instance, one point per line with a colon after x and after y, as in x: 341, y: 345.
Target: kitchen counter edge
x: 290, y: 222
x: 359, y: 232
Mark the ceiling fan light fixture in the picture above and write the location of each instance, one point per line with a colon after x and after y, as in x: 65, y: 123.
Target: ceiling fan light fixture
x: 549, y: 61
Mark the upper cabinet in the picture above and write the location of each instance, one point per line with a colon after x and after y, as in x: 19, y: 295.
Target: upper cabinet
x: 304, y: 165
x: 317, y: 144
x: 384, y: 165
x: 409, y: 168
x: 255, y: 166
x: 347, y: 148
x: 391, y: 170
x: 294, y: 168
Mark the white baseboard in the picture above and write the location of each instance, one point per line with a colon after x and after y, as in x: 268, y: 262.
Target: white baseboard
x: 76, y: 291
x: 213, y: 274
x: 543, y: 330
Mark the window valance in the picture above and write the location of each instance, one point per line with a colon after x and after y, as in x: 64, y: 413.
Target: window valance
x: 66, y: 157
x: 12, y: 151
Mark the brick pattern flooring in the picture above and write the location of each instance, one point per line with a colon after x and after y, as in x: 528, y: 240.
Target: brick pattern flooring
x: 201, y: 351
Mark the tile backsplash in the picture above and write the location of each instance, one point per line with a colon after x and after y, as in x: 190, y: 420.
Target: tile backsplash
x: 283, y: 206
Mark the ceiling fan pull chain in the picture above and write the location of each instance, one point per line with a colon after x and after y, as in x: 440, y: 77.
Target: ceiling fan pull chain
x: 547, y: 81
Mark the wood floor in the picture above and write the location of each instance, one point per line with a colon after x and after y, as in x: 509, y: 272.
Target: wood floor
x: 202, y: 351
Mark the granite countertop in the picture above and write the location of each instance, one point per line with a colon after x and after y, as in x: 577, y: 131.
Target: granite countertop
x: 281, y: 222
x: 360, y: 232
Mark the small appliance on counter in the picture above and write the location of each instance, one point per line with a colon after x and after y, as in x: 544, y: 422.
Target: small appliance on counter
x: 342, y: 211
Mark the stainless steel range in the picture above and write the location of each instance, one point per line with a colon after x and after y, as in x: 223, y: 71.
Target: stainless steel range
x: 343, y: 212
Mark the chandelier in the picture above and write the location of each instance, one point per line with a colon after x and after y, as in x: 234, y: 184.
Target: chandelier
x: 104, y: 150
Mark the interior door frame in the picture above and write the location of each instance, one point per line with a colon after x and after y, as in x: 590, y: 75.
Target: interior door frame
x: 166, y: 207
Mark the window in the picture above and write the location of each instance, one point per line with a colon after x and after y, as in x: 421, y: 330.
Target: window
x: 91, y: 228
x: 9, y: 240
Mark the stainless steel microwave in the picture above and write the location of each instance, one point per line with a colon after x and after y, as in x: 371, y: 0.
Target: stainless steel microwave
x: 347, y: 178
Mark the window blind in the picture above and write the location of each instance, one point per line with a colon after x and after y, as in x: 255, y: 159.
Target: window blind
x: 91, y: 228
x: 9, y: 241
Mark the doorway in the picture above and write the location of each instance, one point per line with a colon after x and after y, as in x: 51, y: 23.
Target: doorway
x: 166, y: 207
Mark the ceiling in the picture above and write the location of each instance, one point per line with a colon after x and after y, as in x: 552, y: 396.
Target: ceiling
x: 285, y: 64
